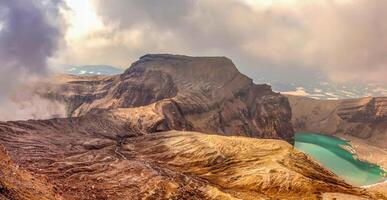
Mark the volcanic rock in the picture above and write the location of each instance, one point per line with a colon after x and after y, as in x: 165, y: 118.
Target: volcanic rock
x: 364, y: 118
x: 164, y: 165
x: 205, y: 94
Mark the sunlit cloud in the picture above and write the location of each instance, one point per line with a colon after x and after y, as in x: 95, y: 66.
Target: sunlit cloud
x: 81, y: 18
x: 1, y: 26
x: 268, y: 3
x: 329, y: 36
x: 300, y: 91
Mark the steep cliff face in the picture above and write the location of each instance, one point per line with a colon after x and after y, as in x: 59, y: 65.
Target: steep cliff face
x: 97, y: 157
x: 206, y: 94
x: 364, y: 118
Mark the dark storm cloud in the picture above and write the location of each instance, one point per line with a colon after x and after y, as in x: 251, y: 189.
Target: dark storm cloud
x: 30, y: 34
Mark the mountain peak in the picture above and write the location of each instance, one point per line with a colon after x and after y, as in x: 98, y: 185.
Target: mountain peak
x: 188, y: 70
x: 166, y: 56
x: 194, y: 62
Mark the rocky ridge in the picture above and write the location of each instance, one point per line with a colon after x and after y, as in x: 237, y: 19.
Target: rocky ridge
x: 205, y: 94
x: 364, y: 118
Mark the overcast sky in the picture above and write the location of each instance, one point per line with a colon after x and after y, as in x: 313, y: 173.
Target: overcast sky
x: 343, y: 40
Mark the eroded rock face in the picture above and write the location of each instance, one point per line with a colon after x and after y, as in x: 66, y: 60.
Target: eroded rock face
x: 364, y: 118
x: 206, y: 94
x: 96, y: 157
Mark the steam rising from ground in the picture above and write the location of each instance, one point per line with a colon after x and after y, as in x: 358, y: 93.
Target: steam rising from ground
x: 30, y: 34
x: 31, y: 106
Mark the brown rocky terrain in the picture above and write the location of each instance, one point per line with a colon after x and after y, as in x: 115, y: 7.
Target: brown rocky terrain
x: 19, y: 184
x: 364, y: 118
x: 205, y: 94
x: 97, y: 157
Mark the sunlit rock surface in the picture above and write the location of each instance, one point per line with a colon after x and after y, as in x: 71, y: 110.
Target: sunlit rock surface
x: 206, y: 94
x: 92, y: 158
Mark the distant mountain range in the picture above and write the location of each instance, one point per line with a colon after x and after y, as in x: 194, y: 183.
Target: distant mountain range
x: 327, y: 90
x: 93, y: 70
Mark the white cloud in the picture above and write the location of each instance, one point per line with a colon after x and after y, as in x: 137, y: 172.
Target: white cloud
x: 347, y: 92
x: 332, y: 94
x: 300, y: 91
x: 81, y: 18
x: 380, y: 90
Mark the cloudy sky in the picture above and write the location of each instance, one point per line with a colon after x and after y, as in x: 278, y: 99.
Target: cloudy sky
x: 326, y: 49
x: 342, y: 40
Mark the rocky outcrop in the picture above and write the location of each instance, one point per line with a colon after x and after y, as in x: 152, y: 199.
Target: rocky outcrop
x: 206, y: 94
x: 97, y: 157
x: 364, y: 118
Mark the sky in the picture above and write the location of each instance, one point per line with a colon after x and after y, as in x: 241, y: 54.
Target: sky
x: 322, y: 48
x: 343, y: 41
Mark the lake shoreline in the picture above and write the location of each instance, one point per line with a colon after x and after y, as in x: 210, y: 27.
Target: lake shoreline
x: 367, y: 152
x: 339, y: 156
x: 373, y: 185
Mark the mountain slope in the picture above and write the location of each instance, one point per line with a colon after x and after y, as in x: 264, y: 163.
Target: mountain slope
x: 206, y: 94
x: 19, y: 184
x: 364, y: 118
x: 96, y: 157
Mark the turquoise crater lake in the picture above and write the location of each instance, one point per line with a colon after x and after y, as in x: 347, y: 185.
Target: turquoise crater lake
x: 329, y: 152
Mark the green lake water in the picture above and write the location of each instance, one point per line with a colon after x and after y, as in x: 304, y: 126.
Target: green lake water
x: 328, y: 151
